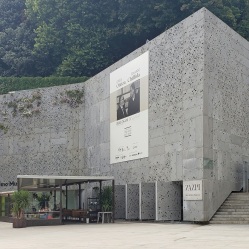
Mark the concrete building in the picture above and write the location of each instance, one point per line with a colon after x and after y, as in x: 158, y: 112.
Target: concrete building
x: 197, y: 125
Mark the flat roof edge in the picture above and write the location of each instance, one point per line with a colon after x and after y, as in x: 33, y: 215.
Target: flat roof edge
x: 66, y: 177
x: 7, y: 192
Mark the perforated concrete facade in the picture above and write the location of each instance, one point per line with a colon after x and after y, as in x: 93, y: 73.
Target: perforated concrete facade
x: 198, y: 123
x: 225, y: 114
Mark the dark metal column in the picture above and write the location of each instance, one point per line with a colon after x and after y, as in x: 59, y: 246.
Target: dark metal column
x: 8, y: 212
x: 100, y: 195
x: 66, y: 197
x: 79, y: 196
x: 113, y: 200
x: 18, y: 184
x: 60, y: 202
x: 245, y: 176
x: 55, y: 206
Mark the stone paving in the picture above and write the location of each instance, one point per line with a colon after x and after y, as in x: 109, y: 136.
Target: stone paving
x: 125, y: 235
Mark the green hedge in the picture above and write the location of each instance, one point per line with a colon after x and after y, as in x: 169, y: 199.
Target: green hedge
x: 9, y: 84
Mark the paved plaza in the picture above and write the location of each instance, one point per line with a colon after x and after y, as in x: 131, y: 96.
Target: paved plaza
x: 125, y: 235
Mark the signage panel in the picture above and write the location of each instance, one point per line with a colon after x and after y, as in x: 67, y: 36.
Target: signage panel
x: 192, y: 190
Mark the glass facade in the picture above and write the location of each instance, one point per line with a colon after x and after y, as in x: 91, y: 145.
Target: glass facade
x: 5, y: 206
x: 44, y: 206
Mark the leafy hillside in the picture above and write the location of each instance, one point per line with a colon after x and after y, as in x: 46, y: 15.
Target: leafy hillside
x: 81, y: 37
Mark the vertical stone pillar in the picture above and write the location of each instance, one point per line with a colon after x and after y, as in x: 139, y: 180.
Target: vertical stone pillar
x: 147, y: 197
x: 132, y: 195
x: 120, y: 202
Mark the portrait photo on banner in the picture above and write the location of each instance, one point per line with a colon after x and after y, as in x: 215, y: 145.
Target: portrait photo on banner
x: 128, y: 100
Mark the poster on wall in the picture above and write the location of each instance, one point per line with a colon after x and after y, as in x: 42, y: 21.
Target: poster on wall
x: 129, y: 110
x: 192, y: 190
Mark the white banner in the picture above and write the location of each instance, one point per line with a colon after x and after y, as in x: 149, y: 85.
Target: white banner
x: 129, y: 110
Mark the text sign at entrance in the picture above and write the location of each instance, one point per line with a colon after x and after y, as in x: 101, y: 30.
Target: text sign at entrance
x: 192, y: 190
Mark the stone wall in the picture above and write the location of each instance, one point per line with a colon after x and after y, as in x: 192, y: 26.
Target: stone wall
x: 176, y: 76
x: 132, y: 204
x: 168, y: 201
x: 176, y: 71
x: 147, y: 200
x: 120, y: 202
x: 197, y: 119
x: 226, y: 108
x: 44, y: 134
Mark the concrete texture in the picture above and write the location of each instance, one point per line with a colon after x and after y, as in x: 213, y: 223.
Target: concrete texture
x: 168, y: 201
x: 225, y: 118
x: 132, y: 211
x: 147, y: 201
x: 125, y: 235
x: 120, y: 202
x: 198, y: 122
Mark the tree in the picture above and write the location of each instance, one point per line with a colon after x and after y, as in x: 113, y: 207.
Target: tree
x: 106, y: 199
x: 12, y: 13
x: 16, y: 52
x: 21, y: 201
x: 234, y: 13
x: 71, y: 35
x: 17, y: 40
x: 82, y: 37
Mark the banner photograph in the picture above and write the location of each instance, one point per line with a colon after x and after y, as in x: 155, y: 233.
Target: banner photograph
x: 129, y: 110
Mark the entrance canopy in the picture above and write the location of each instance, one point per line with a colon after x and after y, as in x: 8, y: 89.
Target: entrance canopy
x: 39, y: 182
